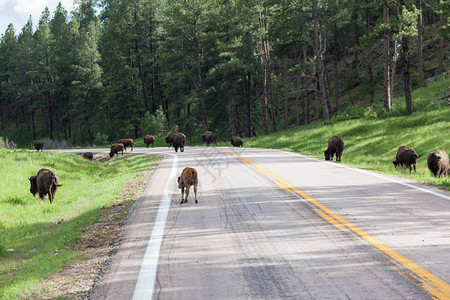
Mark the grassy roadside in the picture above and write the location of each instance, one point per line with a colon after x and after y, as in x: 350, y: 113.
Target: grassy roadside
x: 371, y: 142
x: 41, y: 235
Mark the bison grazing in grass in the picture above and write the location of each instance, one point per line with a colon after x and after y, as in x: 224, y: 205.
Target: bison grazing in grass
x: 188, y: 178
x: 43, y: 183
x: 208, y: 137
x: 169, y: 139
x: 406, y: 157
x: 149, y: 139
x: 116, y: 148
x: 38, y: 145
x: 179, y: 141
x: 126, y: 143
x: 335, y: 145
x: 237, y: 141
x: 88, y: 155
x: 438, y: 163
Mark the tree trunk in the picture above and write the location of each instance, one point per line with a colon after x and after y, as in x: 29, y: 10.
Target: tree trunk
x: 407, y: 75
x: 386, y: 55
x: 200, y: 86
x: 247, y: 98
x: 370, y: 65
x: 394, y: 68
x: 265, y: 70
x: 441, y: 45
x: 420, y: 47
x: 319, y: 63
x: 297, y: 102
x: 285, y: 95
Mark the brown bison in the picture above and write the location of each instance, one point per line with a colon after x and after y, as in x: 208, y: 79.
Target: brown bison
x: 208, y: 137
x: 126, y: 143
x: 188, y: 177
x: 169, y: 139
x: 38, y: 145
x: 43, y: 183
x: 237, y: 141
x: 406, y: 157
x: 179, y: 141
x: 116, y: 148
x: 149, y: 139
x: 88, y: 155
x: 335, y: 145
x: 438, y: 163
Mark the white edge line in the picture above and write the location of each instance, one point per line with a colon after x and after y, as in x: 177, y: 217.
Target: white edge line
x: 147, y: 275
x: 374, y: 174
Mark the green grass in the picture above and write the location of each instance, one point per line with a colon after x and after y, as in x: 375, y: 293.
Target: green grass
x: 372, y: 144
x: 43, y: 235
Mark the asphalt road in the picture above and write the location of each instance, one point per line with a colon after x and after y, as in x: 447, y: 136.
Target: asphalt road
x: 277, y: 225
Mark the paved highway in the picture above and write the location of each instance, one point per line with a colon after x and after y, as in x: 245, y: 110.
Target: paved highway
x: 277, y: 225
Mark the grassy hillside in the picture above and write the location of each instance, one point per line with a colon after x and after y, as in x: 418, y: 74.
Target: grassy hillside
x: 43, y: 235
x: 371, y: 141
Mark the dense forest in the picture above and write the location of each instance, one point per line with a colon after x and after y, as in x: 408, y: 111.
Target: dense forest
x: 124, y: 68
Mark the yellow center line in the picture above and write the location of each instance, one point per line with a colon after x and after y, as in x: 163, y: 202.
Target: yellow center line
x: 429, y: 282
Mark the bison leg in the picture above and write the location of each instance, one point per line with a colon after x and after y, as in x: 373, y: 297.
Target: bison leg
x: 195, y: 192
x: 182, y: 194
x: 187, y: 194
x: 182, y: 149
x: 176, y: 148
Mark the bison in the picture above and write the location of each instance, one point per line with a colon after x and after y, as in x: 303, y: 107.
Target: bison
x: 208, y: 137
x: 188, y: 178
x: 438, y: 163
x: 169, y: 139
x: 38, y: 145
x: 179, y: 141
x: 126, y: 143
x: 237, y: 141
x: 335, y: 145
x: 116, y: 148
x: 406, y: 157
x: 88, y: 155
x: 149, y: 139
x: 43, y: 183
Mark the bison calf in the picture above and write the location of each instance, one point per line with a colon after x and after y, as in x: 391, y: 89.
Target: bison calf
x: 188, y: 178
x: 149, y: 139
x: 116, y: 148
x: 406, y: 157
x: 126, y: 143
x: 43, y: 183
x: 335, y: 145
x: 438, y: 163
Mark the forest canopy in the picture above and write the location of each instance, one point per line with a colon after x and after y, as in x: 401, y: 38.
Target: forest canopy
x: 125, y: 68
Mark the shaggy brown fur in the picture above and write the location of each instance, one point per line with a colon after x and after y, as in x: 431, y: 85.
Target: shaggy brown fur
x: 116, y: 148
x: 126, y: 143
x: 237, y: 141
x: 38, y: 145
x: 149, y: 139
x: 208, y: 137
x: 406, y: 157
x: 43, y: 183
x: 88, y: 155
x: 178, y: 142
x: 335, y: 145
x: 438, y: 163
x: 188, y: 177
x: 169, y: 139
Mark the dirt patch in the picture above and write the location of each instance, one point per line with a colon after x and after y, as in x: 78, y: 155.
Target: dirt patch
x: 97, y: 244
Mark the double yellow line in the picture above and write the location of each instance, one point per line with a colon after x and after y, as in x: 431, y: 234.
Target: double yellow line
x: 428, y: 282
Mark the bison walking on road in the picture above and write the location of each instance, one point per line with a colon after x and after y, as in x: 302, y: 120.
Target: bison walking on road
x: 43, y: 183
x: 169, y: 139
x: 335, y: 145
x: 406, y: 157
x: 208, y: 137
x: 149, y: 139
x: 438, y: 163
x: 179, y: 141
x: 188, y: 178
x: 126, y: 143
